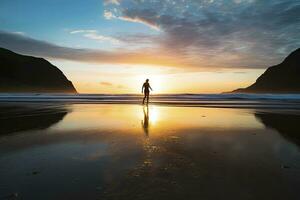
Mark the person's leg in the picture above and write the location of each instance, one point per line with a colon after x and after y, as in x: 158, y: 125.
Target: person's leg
x: 144, y: 98
x: 147, y: 98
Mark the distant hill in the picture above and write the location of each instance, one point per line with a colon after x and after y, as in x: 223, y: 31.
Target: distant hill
x: 19, y: 73
x: 282, y: 78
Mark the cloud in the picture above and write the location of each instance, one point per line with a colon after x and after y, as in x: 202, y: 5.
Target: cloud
x: 19, y: 32
x: 139, y: 20
x: 146, y: 16
x: 139, y: 38
x: 93, y: 34
x: 193, y: 34
x: 109, y: 84
x: 106, y: 83
x: 117, y: 2
x: 108, y: 15
x: 133, y: 16
x: 83, y: 31
x: 154, y: 56
x: 29, y: 46
x: 245, y: 33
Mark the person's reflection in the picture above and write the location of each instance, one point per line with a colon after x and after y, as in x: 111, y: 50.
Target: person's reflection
x: 145, y: 122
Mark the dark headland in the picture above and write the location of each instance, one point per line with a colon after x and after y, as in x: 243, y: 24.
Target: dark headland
x: 281, y: 78
x: 20, y: 73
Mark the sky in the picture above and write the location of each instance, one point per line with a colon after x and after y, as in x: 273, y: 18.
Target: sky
x: 182, y: 46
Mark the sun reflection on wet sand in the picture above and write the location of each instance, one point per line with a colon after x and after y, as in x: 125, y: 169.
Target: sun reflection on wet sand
x: 116, y: 151
x: 159, y: 119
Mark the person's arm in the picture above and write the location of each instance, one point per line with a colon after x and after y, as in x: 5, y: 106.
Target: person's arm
x: 143, y: 87
x: 150, y: 88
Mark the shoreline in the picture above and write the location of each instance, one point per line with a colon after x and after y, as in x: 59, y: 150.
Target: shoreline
x: 236, y: 105
x: 265, y: 101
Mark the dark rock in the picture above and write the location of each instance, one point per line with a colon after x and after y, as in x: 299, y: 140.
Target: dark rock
x: 20, y: 73
x: 281, y: 78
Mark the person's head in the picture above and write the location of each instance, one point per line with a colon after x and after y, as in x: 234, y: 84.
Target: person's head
x: 147, y: 80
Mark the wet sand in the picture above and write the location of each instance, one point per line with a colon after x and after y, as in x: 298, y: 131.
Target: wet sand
x: 101, y: 151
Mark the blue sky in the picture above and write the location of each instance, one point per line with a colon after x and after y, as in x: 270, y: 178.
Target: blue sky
x: 110, y: 38
x: 53, y: 20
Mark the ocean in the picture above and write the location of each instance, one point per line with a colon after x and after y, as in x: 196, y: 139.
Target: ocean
x: 197, y: 100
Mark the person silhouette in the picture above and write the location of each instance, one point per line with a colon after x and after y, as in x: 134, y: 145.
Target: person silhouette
x: 146, y: 90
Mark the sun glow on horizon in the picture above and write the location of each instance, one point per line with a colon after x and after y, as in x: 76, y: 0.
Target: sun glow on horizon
x: 128, y: 79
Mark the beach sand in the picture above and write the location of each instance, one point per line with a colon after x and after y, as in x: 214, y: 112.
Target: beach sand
x: 115, y: 151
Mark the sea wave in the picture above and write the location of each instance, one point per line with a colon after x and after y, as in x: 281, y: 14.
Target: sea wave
x: 211, y: 100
